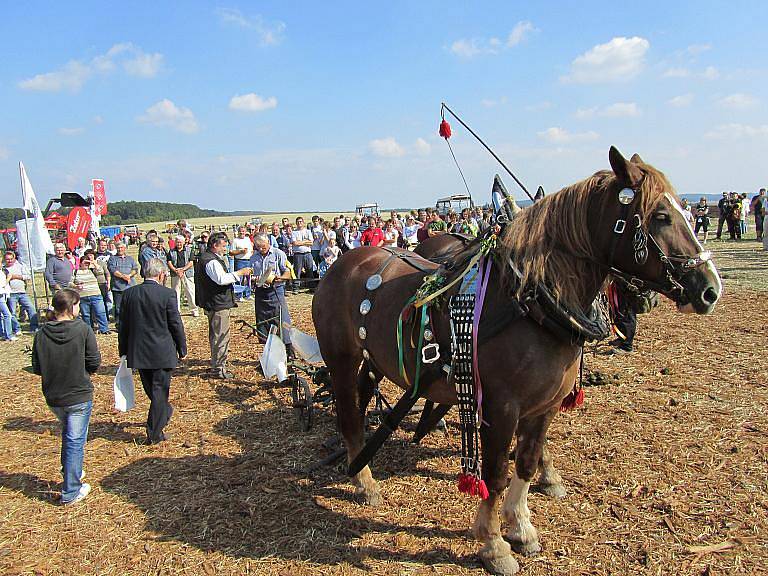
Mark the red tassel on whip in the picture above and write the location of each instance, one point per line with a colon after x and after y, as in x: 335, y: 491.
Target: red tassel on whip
x: 445, y: 130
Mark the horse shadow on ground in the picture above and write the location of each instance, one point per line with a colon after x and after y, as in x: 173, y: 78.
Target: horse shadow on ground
x: 112, y: 431
x: 261, y: 502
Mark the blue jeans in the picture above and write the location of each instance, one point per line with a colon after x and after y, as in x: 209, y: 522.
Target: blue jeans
x: 6, y: 327
x: 22, y: 299
x: 245, y: 281
x: 94, y: 305
x: 74, y: 432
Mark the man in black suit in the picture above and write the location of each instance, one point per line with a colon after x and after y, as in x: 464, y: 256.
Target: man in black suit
x: 151, y: 336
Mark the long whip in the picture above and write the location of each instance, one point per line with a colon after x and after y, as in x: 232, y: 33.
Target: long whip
x: 445, y: 107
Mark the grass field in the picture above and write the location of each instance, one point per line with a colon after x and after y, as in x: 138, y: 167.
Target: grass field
x: 229, y: 220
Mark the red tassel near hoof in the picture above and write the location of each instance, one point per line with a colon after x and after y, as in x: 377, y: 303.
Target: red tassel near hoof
x: 472, y: 485
x: 445, y: 130
x: 574, y: 400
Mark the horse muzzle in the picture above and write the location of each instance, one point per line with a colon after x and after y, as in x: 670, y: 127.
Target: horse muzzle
x: 702, y: 289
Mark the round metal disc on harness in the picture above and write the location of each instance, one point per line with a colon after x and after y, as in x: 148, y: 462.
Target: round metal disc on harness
x: 372, y: 376
x: 373, y: 282
x: 362, y: 332
x: 626, y: 195
x: 366, y: 354
x: 428, y: 336
x: 365, y: 306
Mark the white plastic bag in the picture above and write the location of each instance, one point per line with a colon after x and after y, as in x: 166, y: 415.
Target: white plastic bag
x: 123, y: 387
x: 306, y: 346
x: 274, y: 359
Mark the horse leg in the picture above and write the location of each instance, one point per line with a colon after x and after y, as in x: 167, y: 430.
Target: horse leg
x: 550, y: 482
x: 532, y: 434
x: 496, y: 554
x: 351, y: 422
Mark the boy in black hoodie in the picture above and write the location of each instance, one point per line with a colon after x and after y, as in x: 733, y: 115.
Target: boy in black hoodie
x: 65, y: 354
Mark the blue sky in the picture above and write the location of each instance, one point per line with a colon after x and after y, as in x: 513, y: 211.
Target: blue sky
x: 311, y: 106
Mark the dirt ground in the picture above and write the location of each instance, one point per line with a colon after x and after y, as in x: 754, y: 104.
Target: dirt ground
x: 666, y: 468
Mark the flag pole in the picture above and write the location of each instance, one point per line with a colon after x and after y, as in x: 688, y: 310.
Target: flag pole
x: 29, y: 245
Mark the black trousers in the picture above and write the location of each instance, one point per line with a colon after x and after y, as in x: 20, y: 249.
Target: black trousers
x: 626, y: 321
x: 157, y: 385
x: 117, y: 299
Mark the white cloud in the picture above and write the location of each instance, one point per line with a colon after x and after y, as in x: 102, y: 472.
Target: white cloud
x: 738, y: 101
x: 98, y: 119
x: 519, y: 33
x: 621, y: 109
x: 4, y: 153
x: 696, y: 49
x: 676, y: 73
x: 619, y: 60
x: 737, y: 132
x: 682, y: 101
x: 490, y: 103
x: 422, y: 147
x: 557, y: 135
x: 252, y: 103
x: 166, y: 113
x: 71, y: 131
x: 75, y: 73
x: 539, y: 106
x: 613, y: 111
x: 268, y: 34
x: 709, y: 73
x: 144, y: 65
x: 469, y: 48
x: 386, y: 148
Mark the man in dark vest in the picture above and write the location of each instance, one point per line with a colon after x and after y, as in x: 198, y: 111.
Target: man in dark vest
x: 215, y: 293
x: 152, y: 338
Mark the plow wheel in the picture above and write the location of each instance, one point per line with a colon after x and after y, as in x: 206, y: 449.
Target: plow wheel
x: 302, y: 401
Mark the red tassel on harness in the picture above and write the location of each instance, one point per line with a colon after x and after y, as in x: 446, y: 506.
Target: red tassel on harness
x: 574, y: 399
x: 445, y: 130
x: 472, y: 485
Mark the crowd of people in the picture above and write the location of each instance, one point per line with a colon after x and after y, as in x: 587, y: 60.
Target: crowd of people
x: 97, y: 283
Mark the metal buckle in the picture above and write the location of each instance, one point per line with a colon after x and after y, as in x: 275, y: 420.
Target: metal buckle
x: 434, y: 348
x: 620, y: 226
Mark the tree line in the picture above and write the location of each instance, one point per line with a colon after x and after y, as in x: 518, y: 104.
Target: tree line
x: 127, y: 212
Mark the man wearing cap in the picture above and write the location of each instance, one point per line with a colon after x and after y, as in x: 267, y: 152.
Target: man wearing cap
x: 724, y: 208
x: 270, y: 273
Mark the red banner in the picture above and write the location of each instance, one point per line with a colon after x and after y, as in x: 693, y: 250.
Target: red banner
x: 78, y: 224
x: 99, y: 197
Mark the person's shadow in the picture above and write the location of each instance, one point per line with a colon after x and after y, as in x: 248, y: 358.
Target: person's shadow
x: 261, y: 502
x: 30, y: 485
x: 108, y: 430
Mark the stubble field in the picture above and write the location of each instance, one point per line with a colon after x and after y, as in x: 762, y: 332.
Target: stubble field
x: 665, y: 467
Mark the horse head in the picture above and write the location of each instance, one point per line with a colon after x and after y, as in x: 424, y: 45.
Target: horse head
x: 648, y: 242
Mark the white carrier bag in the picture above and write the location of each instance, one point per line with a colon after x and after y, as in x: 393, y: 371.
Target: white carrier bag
x: 123, y: 387
x: 274, y: 359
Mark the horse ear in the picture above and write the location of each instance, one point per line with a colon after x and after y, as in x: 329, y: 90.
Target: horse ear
x: 627, y: 172
x: 636, y: 159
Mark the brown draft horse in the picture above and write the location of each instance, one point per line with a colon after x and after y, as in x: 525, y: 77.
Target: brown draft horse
x: 571, y: 241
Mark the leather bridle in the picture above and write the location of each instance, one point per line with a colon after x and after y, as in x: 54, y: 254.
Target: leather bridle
x: 675, y: 267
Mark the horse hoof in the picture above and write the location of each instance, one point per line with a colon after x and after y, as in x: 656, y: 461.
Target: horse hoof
x: 370, y: 498
x: 527, y: 549
x: 501, y: 565
x: 551, y: 490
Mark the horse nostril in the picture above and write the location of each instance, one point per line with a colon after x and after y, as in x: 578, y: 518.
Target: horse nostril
x: 710, y: 295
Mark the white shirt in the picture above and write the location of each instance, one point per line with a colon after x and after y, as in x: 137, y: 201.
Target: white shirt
x: 300, y: 236
x: 243, y: 243
x: 216, y: 272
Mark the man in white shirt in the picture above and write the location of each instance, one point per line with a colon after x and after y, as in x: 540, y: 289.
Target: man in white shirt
x: 242, y: 249
x: 18, y: 275
x: 317, y: 239
x: 214, y: 293
x: 302, y: 240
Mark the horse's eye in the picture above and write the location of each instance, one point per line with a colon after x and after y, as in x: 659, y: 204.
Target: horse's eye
x: 661, y: 217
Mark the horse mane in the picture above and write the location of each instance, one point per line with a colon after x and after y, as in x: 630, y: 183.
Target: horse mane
x: 550, y: 241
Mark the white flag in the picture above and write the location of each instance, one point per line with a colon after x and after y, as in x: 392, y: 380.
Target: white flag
x: 27, y: 193
x: 32, y: 253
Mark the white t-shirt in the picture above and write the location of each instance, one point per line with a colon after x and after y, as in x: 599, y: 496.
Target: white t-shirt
x: 301, y: 236
x: 239, y: 244
x: 324, y: 244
